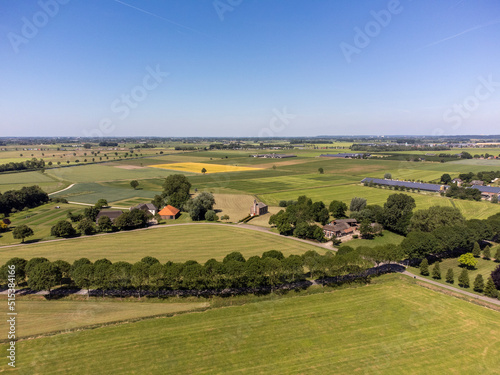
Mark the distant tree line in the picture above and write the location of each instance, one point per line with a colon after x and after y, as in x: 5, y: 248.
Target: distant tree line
x: 32, y: 164
x: 18, y: 200
x: 385, y: 147
x: 270, y: 270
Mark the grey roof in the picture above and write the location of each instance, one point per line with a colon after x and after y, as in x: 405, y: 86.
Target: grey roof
x: 487, y: 189
x: 261, y: 205
x: 408, y: 184
x: 149, y: 206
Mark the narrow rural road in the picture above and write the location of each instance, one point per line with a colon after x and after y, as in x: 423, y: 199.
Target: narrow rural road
x: 69, y: 187
x: 456, y: 290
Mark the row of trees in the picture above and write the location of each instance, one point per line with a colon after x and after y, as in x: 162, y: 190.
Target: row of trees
x: 34, y: 163
x: 271, y: 269
x: 444, y: 231
x: 26, y: 197
x: 490, y: 289
x: 85, y: 223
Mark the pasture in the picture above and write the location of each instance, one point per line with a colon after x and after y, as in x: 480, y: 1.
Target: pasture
x: 198, y: 167
x: 40, y: 219
x: 392, y: 326
x: 42, y: 316
x: 177, y: 243
x: 386, y: 238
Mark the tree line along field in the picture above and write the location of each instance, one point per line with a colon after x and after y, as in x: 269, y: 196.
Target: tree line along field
x: 391, y: 326
x: 484, y: 267
x: 177, y: 243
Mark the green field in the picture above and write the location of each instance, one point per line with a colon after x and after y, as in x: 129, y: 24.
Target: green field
x: 484, y: 267
x: 40, y: 219
x: 198, y: 242
x: 15, y: 181
x: 42, y: 317
x: 386, y: 238
x: 392, y: 326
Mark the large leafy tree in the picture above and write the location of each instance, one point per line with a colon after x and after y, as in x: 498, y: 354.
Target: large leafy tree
x: 44, y: 276
x: 22, y: 231
x: 19, y: 267
x: 337, y: 209
x: 198, y: 206
x: 357, y: 204
x: 467, y: 260
x: 63, y: 228
x: 417, y: 245
x: 83, y: 276
x: 435, y: 217
x: 176, y: 190
x: 398, y: 212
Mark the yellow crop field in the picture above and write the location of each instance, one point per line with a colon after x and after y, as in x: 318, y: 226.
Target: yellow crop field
x: 197, y: 167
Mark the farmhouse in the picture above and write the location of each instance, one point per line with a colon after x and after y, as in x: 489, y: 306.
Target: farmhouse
x: 477, y: 182
x: 274, y: 156
x: 457, y: 181
x: 169, y: 212
x: 113, y: 215
x: 340, y: 228
x: 344, y: 155
x: 146, y: 207
x: 258, y: 208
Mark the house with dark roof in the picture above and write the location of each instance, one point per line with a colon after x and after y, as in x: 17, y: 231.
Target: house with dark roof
x: 258, y: 208
x: 169, y: 212
x: 340, y: 228
x: 112, y: 214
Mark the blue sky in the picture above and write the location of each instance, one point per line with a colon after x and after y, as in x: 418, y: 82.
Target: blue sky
x: 249, y: 68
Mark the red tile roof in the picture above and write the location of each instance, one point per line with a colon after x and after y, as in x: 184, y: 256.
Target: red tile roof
x: 169, y: 211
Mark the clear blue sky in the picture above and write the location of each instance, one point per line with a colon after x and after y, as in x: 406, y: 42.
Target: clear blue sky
x: 269, y: 67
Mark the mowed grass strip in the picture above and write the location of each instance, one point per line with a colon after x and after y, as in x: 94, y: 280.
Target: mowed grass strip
x: 198, y: 242
x: 41, y: 317
x: 197, y: 167
x: 391, y: 327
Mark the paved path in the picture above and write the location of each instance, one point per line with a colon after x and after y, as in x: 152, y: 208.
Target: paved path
x: 327, y: 245
x: 69, y: 187
x: 456, y: 290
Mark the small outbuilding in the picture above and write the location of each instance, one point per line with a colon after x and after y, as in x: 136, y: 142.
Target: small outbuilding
x: 169, y: 212
x: 258, y: 208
